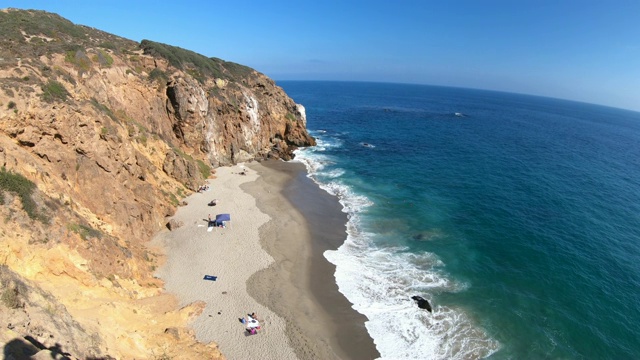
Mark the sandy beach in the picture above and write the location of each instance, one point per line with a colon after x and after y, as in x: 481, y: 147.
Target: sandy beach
x: 267, y: 260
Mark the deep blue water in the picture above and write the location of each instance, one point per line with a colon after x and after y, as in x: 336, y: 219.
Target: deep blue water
x: 518, y: 218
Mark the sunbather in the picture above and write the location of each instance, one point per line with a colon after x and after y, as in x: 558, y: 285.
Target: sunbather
x: 253, y: 325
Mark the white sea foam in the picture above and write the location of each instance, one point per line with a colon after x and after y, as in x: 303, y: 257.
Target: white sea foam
x: 335, y: 173
x: 379, y: 281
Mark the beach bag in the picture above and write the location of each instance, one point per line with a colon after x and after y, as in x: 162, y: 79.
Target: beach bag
x: 253, y: 331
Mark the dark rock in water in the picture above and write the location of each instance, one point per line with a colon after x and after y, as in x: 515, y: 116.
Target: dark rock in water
x: 422, y: 302
x: 428, y: 235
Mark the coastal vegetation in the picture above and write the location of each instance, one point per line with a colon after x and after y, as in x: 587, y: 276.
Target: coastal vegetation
x: 158, y: 75
x: 205, y: 169
x: 34, y: 33
x: 103, y: 58
x: 23, y: 188
x: 197, y: 65
x: 11, y: 298
x: 53, y: 90
x: 85, y: 231
x: 79, y: 59
x: 104, y: 109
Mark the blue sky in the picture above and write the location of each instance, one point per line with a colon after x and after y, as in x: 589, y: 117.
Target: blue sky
x: 585, y: 50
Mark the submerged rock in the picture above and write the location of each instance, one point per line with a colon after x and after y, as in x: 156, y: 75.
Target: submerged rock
x: 422, y: 302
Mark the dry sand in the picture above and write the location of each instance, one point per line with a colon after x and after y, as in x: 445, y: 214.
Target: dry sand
x: 291, y: 287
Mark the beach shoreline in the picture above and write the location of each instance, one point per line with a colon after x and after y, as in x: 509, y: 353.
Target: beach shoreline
x: 267, y: 260
x: 306, y: 221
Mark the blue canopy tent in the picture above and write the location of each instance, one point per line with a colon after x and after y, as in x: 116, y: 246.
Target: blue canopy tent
x: 222, y: 219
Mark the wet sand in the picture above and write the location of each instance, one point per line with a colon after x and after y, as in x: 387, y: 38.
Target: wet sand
x: 300, y: 285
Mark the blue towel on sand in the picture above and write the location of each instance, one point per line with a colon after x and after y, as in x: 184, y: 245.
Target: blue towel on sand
x: 209, y: 277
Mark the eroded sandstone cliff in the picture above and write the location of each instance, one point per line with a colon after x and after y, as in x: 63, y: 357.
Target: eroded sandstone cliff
x: 99, y: 138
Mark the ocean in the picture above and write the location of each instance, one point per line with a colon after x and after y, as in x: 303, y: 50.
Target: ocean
x: 517, y: 217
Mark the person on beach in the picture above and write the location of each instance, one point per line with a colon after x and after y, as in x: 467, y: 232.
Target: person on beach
x: 253, y: 325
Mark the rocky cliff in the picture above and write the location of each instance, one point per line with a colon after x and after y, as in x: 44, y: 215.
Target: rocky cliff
x: 100, y: 137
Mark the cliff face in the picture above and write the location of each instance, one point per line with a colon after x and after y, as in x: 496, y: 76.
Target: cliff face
x: 111, y: 133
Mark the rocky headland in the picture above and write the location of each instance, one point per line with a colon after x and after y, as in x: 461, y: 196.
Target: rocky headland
x: 100, y: 138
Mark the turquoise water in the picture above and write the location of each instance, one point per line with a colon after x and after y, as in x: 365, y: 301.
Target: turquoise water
x: 518, y: 217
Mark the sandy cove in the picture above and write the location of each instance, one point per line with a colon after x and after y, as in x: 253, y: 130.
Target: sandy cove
x: 272, y: 250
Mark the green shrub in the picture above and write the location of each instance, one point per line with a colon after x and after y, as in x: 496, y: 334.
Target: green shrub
x: 61, y: 35
x: 11, y: 298
x: 196, y: 75
x: 86, y: 232
x: 11, y: 105
x: 105, y: 109
x: 143, y: 139
x: 205, y: 169
x: 54, y: 90
x: 79, y: 59
x: 159, y: 75
x: 104, y: 59
x: 22, y: 187
x: 108, y: 45
x: 174, y: 200
x: 182, y: 153
x: 236, y: 71
x: 195, y: 63
x: 290, y: 117
x: 172, y: 197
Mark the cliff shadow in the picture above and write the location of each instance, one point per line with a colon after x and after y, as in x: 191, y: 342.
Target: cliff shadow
x: 25, y: 348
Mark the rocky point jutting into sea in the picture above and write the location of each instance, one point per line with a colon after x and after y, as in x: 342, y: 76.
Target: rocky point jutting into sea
x: 100, y: 137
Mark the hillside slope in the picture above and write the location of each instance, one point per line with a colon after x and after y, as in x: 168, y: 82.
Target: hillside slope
x: 99, y: 138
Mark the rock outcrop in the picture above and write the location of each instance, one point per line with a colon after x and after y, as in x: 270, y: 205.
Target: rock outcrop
x: 100, y: 137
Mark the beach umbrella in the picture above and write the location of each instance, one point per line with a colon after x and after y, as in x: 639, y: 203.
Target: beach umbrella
x: 222, y: 219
